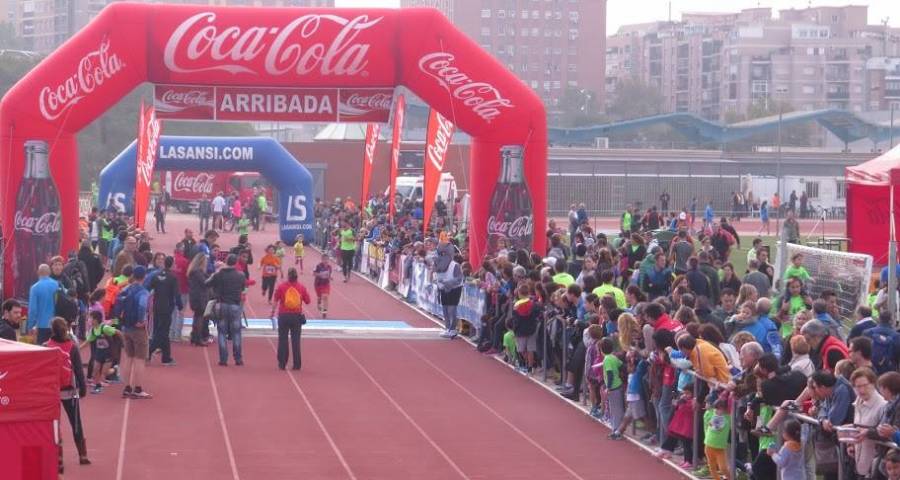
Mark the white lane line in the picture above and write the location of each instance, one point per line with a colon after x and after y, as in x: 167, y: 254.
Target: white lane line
x: 503, y: 419
x: 403, y: 412
x: 334, y: 447
x: 120, y: 463
x: 215, y: 390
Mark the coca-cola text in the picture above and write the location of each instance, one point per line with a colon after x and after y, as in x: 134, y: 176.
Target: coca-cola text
x: 483, y: 98
x: 375, y: 101
x: 371, y: 142
x: 437, y: 151
x: 93, y: 70
x: 198, y: 184
x: 198, y: 44
x: 520, y: 227
x: 189, y: 98
x: 42, y: 225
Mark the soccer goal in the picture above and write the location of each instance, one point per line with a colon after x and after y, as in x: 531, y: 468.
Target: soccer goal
x: 847, y: 274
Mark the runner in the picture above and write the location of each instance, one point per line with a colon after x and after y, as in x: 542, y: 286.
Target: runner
x: 289, y: 299
x: 348, y: 249
x: 322, y: 284
x: 299, y: 252
x: 270, y: 266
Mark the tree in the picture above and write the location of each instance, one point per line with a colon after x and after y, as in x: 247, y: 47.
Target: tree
x: 791, y: 135
x: 580, y: 108
x: 634, y: 99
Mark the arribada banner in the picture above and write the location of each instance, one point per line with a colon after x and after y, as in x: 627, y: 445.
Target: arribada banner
x: 202, y: 48
x: 395, y: 154
x: 372, y: 132
x: 148, y: 144
x: 437, y: 142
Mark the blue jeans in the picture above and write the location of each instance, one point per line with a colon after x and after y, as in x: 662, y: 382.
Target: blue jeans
x: 664, y: 410
x: 229, y: 322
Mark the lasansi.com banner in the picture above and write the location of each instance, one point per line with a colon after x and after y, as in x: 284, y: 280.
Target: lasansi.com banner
x: 149, y: 130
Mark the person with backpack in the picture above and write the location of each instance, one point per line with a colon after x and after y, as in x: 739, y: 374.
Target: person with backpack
x: 166, y: 299
x: 885, y: 344
x: 72, y: 385
x: 290, y: 297
x: 131, y: 309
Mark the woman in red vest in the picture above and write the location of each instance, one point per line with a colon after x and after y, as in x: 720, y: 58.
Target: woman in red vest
x: 289, y: 299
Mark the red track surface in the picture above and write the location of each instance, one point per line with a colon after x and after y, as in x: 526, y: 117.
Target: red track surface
x: 359, y: 409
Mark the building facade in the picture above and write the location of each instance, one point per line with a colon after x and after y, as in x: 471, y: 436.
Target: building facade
x: 552, y: 47
x: 721, y: 66
x: 46, y: 24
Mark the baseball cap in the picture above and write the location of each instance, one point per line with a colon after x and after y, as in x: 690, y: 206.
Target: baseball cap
x: 139, y: 272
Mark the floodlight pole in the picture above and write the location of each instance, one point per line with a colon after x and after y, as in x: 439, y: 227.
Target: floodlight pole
x: 778, y: 176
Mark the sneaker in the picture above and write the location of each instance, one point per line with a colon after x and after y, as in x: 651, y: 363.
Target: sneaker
x: 223, y: 364
x: 453, y: 334
x: 114, y: 378
x: 663, y: 454
x: 126, y: 393
x: 522, y: 370
x: 170, y: 363
x: 701, y: 471
x: 141, y: 395
x: 615, y: 436
x: 686, y: 465
x: 97, y: 389
x: 445, y: 334
x: 492, y: 351
x: 560, y: 388
x: 239, y: 363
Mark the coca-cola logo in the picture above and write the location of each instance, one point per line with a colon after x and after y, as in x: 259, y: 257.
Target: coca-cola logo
x: 189, y: 98
x: 94, y: 69
x: 199, y: 45
x: 519, y: 228
x: 483, y: 98
x: 437, y: 148
x: 375, y: 101
x: 147, y: 156
x: 371, y: 142
x: 46, y: 224
x: 199, y: 183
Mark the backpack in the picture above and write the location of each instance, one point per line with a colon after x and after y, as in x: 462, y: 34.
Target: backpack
x: 74, y: 273
x: 127, y: 306
x: 109, y: 300
x: 883, y: 353
x: 66, y: 372
x: 292, y: 299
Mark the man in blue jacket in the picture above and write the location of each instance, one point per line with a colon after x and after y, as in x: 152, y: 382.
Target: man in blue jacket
x: 41, y: 305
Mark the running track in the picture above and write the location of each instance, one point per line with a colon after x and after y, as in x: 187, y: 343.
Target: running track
x: 359, y: 409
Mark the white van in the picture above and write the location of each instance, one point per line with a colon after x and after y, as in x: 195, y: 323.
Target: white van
x: 412, y: 187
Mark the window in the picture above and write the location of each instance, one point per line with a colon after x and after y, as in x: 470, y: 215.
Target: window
x: 573, y: 50
x: 809, y: 89
x: 573, y: 83
x: 535, y: 32
x: 548, y: 15
x: 573, y: 67
x: 486, y: 13
x: 546, y: 85
x: 557, y: 85
x: 841, y: 189
x: 524, y: 14
x: 809, y: 71
x: 485, y: 31
x: 501, y: 13
x: 812, y: 190
x: 534, y: 84
x: 524, y: 32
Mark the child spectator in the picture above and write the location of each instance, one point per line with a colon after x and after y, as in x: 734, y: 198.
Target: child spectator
x: 717, y: 430
x: 322, y: 284
x: 99, y: 336
x: 270, y: 265
x: 635, y: 410
x: 595, y: 370
x: 509, y: 344
x: 790, y: 461
x: 796, y: 269
x: 525, y: 322
x: 615, y: 394
x: 299, y: 252
x: 681, y: 428
x: 892, y: 465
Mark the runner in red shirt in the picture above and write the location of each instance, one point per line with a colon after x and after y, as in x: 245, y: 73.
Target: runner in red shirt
x: 289, y: 299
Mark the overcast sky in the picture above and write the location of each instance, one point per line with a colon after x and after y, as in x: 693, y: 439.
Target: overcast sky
x: 624, y: 12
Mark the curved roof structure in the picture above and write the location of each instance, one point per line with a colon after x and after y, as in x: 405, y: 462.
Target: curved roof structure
x: 847, y: 126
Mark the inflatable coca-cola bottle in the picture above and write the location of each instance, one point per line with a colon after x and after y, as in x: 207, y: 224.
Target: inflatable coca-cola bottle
x: 511, y: 216
x: 37, y: 220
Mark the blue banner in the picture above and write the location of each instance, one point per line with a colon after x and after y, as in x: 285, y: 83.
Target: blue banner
x: 229, y: 154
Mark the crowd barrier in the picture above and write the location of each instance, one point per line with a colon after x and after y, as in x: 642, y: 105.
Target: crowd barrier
x: 411, y: 279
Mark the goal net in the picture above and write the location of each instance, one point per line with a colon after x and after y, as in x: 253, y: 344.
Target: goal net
x: 846, y: 274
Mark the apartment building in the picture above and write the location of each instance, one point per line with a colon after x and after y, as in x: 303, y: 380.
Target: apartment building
x: 719, y: 65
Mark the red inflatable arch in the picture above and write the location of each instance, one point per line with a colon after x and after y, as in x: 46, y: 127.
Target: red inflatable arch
x: 128, y: 44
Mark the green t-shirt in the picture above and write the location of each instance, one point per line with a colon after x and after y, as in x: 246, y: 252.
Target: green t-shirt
x: 717, y: 429
x: 563, y: 279
x: 626, y: 222
x: 765, y: 414
x: 612, y: 364
x: 509, y: 343
x: 262, y: 203
x: 348, y: 240
x: 101, y: 331
x: 616, y: 292
x: 797, y: 272
x: 244, y: 226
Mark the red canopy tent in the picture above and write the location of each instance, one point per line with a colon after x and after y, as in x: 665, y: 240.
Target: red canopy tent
x: 868, y: 204
x: 29, y: 406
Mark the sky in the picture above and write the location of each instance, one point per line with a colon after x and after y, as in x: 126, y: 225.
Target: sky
x: 625, y: 12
